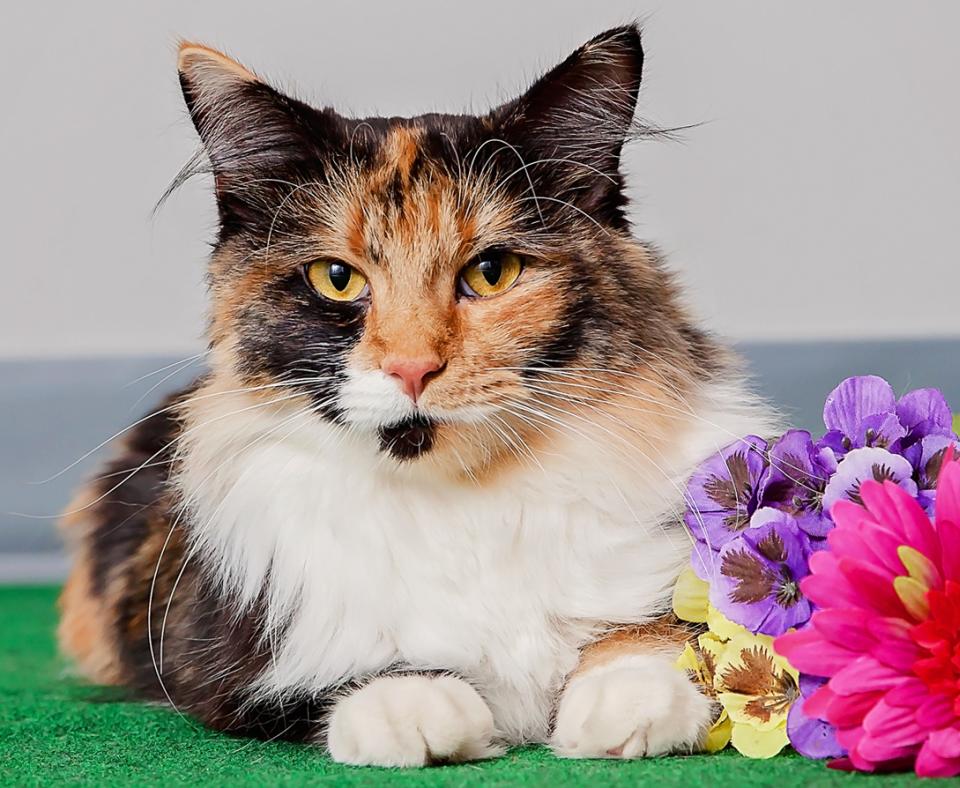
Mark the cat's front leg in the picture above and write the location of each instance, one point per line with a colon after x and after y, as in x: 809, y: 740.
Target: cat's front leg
x: 411, y: 720
x: 626, y: 699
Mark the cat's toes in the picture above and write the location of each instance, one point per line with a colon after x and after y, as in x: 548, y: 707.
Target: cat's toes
x: 635, y: 706
x: 411, y: 721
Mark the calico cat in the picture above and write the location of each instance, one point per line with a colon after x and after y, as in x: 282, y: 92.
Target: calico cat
x: 425, y: 503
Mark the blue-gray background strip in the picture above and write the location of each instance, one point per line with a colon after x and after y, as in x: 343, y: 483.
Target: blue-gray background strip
x: 52, y: 412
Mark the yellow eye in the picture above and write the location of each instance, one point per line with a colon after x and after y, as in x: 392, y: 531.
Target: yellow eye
x: 336, y: 280
x: 490, y: 274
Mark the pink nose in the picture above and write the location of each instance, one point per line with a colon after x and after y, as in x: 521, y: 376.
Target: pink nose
x: 412, y: 374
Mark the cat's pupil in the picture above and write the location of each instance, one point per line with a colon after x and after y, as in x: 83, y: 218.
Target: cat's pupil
x: 491, y: 270
x: 339, y: 276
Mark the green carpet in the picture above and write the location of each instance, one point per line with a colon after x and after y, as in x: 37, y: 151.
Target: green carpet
x: 55, y: 730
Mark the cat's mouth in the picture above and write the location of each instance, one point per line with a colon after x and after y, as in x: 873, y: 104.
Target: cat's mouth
x: 408, y: 439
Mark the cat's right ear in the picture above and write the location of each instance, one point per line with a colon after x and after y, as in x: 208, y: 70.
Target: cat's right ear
x: 248, y: 129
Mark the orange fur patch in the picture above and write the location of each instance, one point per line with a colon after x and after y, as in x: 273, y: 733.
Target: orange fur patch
x: 665, y: 635
x: 85, y: 633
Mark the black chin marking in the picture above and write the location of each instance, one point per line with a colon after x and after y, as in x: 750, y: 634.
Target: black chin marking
x: 408, y: 439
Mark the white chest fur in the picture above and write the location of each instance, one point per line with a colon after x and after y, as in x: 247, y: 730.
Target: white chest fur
x: 364, y: 568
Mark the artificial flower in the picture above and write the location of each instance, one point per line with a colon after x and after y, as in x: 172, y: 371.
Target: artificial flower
x: 887, y: 636
x: 701, y: 666
x: 861, y: 412
x: 924, y: 412
x: 795, y: 479
x: 761, y: 517
x: 867, y: 464
x: 926, y: 456
x: 722, y: 492
x: 811, y: 736
x: 757, y: 581
x: 691, y: 596
x: 756, y: 688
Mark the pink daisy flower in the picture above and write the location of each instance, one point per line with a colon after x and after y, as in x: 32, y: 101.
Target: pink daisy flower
x: 887, y: 632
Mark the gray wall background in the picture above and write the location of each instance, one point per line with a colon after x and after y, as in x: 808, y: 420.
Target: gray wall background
x: 819, y: 198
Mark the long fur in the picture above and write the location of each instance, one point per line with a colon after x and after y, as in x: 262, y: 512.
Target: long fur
x: 294, y: 526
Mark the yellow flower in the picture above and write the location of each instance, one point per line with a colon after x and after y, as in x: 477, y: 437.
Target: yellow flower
x: 701, y: 666
x: 756, y: 687
x: 691, y: 597
x: 719, y: 734
x: 753, y: 684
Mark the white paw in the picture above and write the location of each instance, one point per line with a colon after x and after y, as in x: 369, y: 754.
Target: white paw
x: 411, y: 721
x: 635, y: 706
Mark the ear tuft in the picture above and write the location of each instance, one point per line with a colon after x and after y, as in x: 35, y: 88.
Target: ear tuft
x: 193, y: 59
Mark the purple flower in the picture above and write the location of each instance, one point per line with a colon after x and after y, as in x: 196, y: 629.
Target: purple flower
x: 867, y: 463
x: 757, y: 584
x: 722, y: 493
x: 811, y: 737
x: 796, y: 478
x: 927, y: 457
x: 861, y: 412
x: 924, y: 412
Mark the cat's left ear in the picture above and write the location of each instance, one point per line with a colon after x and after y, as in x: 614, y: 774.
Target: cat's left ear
x: 575, y: 119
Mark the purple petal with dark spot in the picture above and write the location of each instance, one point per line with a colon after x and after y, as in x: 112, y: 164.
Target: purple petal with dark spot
x: 722, y: 492
x: 862, y: 464
x: 795, y: 480
x: 881, y: 429
x: 760, y: 570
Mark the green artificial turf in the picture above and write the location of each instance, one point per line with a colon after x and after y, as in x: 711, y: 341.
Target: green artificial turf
x: 56, y: 730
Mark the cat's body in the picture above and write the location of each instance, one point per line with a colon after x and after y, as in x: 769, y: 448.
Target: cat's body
x: 442, y: 500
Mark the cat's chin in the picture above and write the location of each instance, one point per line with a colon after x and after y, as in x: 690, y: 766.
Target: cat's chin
x: 408, y: 439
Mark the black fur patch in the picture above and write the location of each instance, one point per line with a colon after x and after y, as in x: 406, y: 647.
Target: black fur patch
x: 408, y: 439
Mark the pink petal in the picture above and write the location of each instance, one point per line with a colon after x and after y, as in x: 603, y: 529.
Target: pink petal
x: 878, y: 751
x: 896, y: 653
x: 867, y: 542
x: 847, y: 711
x: 816, y: 705
x: 931, y: 764
x: 946, y: 742
x: 845, y: 627
x: 846, y: 514
x: 823, y: 561
x: 948, y: 492
x: 937, y: 712
x: 850, y: 739
x: 949, y: 533
x: 828, y: 589
x: 864, y: 674
x: 880, y: 506
x: 917, y: 526
x: 893, y: 726
x: 808, y: 652
x: 912, y: 692
x: 873, y: 586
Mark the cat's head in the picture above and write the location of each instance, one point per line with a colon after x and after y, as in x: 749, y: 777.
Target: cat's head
x: 454, y: 285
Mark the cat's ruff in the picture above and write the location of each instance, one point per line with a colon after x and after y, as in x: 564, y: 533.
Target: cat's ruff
x: 365, y: 565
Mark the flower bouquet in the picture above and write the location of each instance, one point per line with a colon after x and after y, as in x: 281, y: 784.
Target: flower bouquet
x: 827, y: 572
